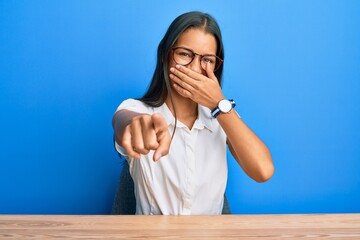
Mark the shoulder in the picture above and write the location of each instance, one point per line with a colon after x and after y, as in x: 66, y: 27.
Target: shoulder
x: 135, y: 105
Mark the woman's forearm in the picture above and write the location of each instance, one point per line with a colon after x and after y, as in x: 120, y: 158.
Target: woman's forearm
x: 249, y: 151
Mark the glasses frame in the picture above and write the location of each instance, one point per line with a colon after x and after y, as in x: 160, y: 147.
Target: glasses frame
x: 194, y: 55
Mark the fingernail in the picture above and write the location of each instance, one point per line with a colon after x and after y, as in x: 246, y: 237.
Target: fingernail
x: 178, y: 66
x: 157, y: 158
x: 171, y: 76
x: 172, y: 69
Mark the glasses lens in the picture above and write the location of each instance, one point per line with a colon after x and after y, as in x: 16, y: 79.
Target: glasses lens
x: 183, y: 56
x: 211, y: 60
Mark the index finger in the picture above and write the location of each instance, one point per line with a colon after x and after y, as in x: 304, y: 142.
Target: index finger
x: 159, y: 121
x: 187, y: 72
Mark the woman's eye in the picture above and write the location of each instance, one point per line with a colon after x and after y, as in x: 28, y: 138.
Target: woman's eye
x: 208, y: 60
x: 185, y: 54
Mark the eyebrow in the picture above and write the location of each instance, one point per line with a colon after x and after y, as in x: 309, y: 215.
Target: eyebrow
x: 206, y: 54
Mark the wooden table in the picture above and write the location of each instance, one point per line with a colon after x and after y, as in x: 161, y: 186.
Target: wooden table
x: 334, y: 226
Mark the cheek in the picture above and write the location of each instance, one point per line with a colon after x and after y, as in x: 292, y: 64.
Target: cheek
x: 171, y: 63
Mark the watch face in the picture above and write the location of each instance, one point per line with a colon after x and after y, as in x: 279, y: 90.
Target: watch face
x: 225, y: 106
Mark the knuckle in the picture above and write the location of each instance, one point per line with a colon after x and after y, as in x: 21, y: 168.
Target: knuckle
x: 139, y: 118
x: 138, y: 146
x: 145, y: 120
x: 144, y: 151
x: 127, y: 148
x: 147, y: 144
x: 151, y: 145
x: 144, y: 117
x: 124, y: 142
x: 134, y: 121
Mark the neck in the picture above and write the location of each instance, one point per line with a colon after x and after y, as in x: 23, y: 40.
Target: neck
x: 186, y: 109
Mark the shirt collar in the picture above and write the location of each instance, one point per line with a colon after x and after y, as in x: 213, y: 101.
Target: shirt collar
x: 204, y: 119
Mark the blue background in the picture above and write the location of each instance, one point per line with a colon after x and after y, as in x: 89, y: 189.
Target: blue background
x: 292, y: 66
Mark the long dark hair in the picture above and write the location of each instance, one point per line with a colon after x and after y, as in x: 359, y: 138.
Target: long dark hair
x: 160, y: 84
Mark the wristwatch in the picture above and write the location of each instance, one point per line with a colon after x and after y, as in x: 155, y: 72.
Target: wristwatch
x: 224, y: 106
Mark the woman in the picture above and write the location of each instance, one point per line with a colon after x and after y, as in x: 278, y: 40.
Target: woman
x: 174, y: 137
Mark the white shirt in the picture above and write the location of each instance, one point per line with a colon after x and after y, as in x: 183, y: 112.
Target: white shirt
x: 192, y: 178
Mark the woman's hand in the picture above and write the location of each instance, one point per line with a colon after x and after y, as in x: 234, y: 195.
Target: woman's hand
x: 204, y: 90
x: 140, y: 133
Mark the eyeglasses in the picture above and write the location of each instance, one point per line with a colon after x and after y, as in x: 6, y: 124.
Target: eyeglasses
x: 184, y: 56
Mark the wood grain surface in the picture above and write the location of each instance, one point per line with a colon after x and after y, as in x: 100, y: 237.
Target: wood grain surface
x: 291, y: 226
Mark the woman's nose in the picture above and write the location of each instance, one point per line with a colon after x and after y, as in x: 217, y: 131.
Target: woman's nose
x: 195, y: 64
